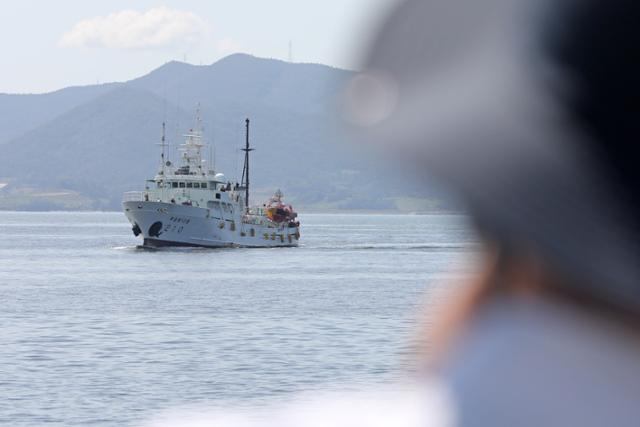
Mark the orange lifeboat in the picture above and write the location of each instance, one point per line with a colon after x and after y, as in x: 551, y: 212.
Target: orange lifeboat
x: 277, y: 211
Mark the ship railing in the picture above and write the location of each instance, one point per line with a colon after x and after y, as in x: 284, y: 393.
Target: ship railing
x: 256, y: 211
x: 133, y: 196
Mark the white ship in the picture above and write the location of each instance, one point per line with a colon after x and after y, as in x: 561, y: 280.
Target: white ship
x: 192, y: 205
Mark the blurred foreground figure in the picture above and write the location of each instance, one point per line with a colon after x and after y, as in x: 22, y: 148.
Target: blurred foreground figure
x: 530, y: 112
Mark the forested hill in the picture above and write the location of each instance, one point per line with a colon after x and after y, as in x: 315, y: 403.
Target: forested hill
x: 82, y: 147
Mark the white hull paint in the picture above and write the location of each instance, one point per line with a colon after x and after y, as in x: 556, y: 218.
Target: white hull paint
x: 168, y: 224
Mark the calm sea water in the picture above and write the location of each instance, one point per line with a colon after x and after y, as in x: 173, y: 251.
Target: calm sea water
x: 97, y: 332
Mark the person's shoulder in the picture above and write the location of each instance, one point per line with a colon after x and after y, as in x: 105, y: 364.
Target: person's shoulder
x: 420, y: 405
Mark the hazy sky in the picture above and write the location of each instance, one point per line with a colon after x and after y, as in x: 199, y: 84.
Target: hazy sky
x: 47, y: 45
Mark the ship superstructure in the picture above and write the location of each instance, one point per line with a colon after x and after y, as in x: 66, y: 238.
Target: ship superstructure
x: 192, y: 205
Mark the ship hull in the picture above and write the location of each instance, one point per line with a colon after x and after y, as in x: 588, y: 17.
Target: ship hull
x: 162, y: 224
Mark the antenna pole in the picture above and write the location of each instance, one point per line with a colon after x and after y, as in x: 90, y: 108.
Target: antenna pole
x: 210, y: 166
x: 212, y: 150
x: 245, y: 170
x: 162, y: 144
x: 246, y: 162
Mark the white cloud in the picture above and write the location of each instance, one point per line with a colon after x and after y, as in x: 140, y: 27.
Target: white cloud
x: 130, y: 29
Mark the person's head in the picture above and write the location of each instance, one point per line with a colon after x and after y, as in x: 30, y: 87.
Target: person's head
x: 529, y: 111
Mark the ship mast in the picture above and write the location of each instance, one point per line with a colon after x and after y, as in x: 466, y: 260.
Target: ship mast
x: 245, y: 171
x: 163, y: 144
x: 191, y: 148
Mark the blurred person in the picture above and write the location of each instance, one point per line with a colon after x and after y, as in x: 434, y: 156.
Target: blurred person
x: 528, y: 111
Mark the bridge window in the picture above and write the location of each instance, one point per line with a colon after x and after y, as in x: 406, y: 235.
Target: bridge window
x: 203, y: 185
x: 182, y: 185
x: 174, y: 184
x: 196, y: 185
x: 189, y: 185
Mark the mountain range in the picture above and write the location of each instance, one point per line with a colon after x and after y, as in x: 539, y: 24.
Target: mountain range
x: 82, y: 147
